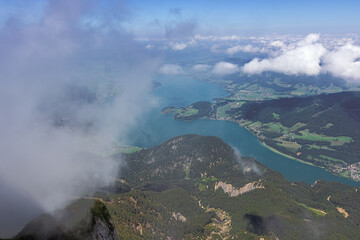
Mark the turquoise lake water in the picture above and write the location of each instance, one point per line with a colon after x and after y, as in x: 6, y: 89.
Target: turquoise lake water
x: 155, y: 128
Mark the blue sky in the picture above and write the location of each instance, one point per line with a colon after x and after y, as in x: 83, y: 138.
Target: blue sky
x: 256, y: 17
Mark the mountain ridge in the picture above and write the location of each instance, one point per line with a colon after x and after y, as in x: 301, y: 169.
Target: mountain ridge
x: 163, y: 192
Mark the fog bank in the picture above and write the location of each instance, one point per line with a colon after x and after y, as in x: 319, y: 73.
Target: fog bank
x: 70, y: 89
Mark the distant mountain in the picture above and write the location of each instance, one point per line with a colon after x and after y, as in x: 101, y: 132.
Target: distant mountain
x: 196, y: 187
x: 323, y: 130
x: 271, y: 85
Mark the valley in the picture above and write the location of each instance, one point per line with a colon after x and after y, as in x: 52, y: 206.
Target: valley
x: 321, y: 130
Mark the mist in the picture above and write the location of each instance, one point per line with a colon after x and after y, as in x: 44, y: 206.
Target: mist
x: 71, y: 88
x: 246, y: 166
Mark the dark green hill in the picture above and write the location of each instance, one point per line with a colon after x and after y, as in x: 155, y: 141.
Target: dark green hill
x: 185, y: 157
x: 342, y: 110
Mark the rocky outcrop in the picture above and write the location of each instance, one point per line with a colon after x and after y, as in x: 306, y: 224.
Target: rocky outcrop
x: 101, y: 231
x: 233, y: 192
x: 83, y: 219
x: 343, y: 212
x: 178, y: 216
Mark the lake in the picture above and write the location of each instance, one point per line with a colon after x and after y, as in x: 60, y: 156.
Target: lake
x: 155, y: 128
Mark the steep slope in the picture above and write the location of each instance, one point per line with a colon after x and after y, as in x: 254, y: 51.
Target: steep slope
x: 83, y: 219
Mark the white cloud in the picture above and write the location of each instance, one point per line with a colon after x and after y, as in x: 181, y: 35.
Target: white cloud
x: 149, y: 46
x: 227, y: 38
x: 201, y: 67
x: 302, y: 57
x: 246, y: 48
x: 218, y: 38
x: 57, y: 130
x: 179, y: 46
x: 344, y: 62
x: 192, y: 42
x: 171, y: 69
x: 311, y: 38
x: 224, y: 68
x: 277, y: 43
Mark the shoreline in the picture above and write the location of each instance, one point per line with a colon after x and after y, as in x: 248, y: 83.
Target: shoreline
x: 285, y: 155
x: 229, y: 94
x: 291, y: 157
x: 273, y: 149
x: 288, y: 156
x: 268, y: 147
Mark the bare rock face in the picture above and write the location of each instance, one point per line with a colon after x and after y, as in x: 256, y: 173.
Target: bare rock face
x: 178, y: 216
x: 233, y: 192
x: 83, y: 219
x: 101, y: 231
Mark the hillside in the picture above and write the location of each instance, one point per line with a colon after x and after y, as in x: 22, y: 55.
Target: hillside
x: 323, y: 130
x: 196, y: 187
x: 83, y: 219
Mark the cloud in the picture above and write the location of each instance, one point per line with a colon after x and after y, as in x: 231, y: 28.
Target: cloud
x: 343, y: 62
x: 247, y: 48
x: 310, y: 57
x: 304, y: 57
x: 218, y: 38
x: 277, y: 43
x: 245, y: 165
x: 224, y: 68
x: 179, y: 46
x: 60, y: 117
x: 201, y: 67
x: 171, y: 69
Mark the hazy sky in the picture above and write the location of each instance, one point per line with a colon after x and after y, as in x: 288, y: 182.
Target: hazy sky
x: 257, y: 17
